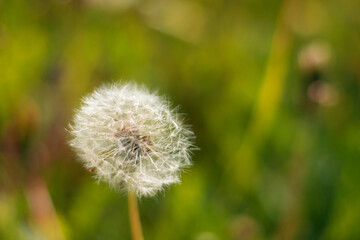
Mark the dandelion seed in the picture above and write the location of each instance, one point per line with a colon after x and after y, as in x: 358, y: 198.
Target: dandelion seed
x: 131, y: 138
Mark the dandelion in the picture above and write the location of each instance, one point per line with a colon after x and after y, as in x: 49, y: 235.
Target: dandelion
x: 131, y: 139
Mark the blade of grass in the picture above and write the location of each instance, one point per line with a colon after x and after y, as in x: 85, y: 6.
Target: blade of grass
x: 267, y: 102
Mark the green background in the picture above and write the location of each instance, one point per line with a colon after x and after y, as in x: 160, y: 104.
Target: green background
x: 271, y: 89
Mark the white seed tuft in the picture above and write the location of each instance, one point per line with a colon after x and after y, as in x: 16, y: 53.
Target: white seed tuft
x: 131, y: 139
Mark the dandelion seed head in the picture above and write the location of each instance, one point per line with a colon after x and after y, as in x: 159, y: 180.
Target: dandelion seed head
x: 131, y: 138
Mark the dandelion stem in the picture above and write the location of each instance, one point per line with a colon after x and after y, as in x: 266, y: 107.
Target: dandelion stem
x: 135, y: 223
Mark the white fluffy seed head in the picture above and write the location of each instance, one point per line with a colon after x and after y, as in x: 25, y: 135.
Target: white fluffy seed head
x: 131, y: 138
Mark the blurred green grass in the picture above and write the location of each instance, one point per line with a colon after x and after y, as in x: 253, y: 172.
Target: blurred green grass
x: 271, y: 89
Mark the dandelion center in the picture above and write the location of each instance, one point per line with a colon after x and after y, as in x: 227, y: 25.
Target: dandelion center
x: 133, y: 142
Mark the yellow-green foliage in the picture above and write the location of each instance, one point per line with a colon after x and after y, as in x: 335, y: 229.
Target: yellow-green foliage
x: 271, y: 89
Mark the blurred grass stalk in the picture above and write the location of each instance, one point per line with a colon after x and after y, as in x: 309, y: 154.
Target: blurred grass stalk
x: 42, y: 209
x: 268, y: 99
x: 135, y: 223
x: 267, y: 104
x: 24, y: 164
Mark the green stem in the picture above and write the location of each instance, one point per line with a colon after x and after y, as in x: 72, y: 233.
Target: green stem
x: 135, y: 223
